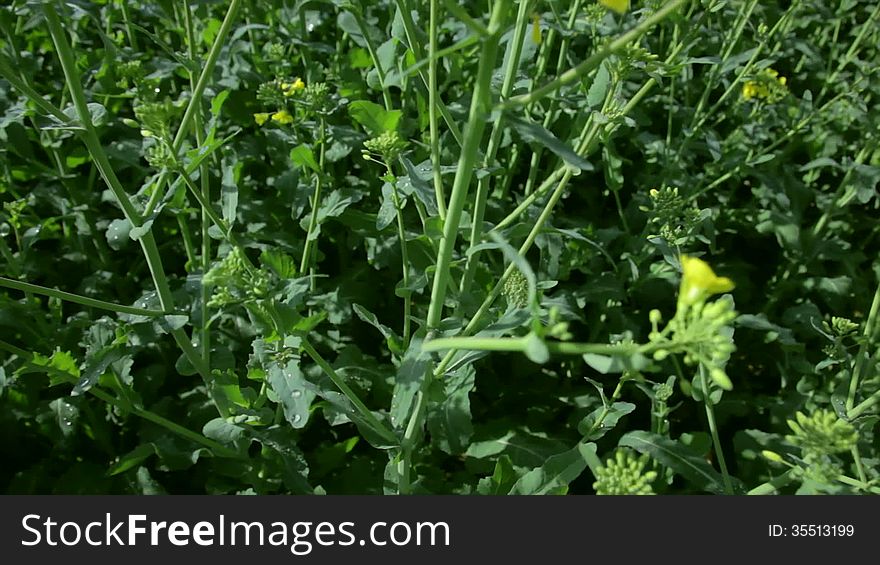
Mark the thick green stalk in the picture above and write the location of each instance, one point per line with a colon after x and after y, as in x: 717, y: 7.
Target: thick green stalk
x: 521, y: 344
x: 77, y: 299
x: 480, y: 108
x: 863, y: 355
x: 514, y: 50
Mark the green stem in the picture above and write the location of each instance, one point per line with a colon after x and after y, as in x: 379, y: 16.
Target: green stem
x: 713, y: 429
x: 404, y: 257
x: 415, y: 46
x: 773, y: 485
x: 520, y: 344
x: 90, y: 137
x: 346, y: 390
x: 132, y: 38
x: 514, y: 50
x: 77, y: 299
x: 204, y: 179
x: 730, y: 43
x: 862, y: 356
x: 595, y: 59
x: 195, y: 101
x: 433, y: 118
x: 371, y: 49
x: 305, y: 263
x: 851, y: 52
x: 480, y: 107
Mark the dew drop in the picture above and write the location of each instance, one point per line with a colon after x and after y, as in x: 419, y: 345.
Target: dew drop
x: 296, y: 393
x: 297, y: 418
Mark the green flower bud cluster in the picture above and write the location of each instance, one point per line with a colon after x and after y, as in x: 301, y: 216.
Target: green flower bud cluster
x: 821, y: 433
x: 632, y: 58
x: 275, y: 51
x: 317, y: 96
x: 663, y: 392
x: 701, y: 332
x: 159, y: 156
x: 516, y: 290
x: 624, y: 473
x: 271, y: 94
x: 234, y: 281
x: 841, y: 327
x: 820, y: 468
x: 128, y: 73
x: 388, y: 146
x: 594, y: 13
x: 154, y: 117
x: 672, y: 216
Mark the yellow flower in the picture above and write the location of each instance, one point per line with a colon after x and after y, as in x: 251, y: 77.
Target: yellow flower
x: 619, y: 6
x: 261, y: 118
x: 282, y: 117
x: 699, y: 281
x: 291, y: 88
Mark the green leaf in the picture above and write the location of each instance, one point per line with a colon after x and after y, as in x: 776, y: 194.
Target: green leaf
x: 410, y: 376
x: 532, y: 132
x: 229, y: 191
x: 117, y: 233
x: 535, y: 349
x: 391, y: 338
x: 449, y: 419
x: 219, y: 429
x: 292, y: 391
x: 606, y: 364
x: 502, y: 479
x: 373, y: 117
x: 681, y: 459
x: 302, y: 156
x: 281, y: 263
x: 66, y: 415
x: 599, y: 88
x: 554, y: 476
x: 615, y: 412
x: 217, y: 102
x: 133, y: 458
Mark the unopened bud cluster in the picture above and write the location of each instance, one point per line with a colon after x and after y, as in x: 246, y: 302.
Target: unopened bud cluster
x: 624, y: 473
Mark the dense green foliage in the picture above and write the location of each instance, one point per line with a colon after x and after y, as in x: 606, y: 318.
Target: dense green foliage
x: 559, y: 246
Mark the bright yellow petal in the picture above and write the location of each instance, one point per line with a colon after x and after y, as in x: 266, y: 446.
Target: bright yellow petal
x: 699, y: 280
x: 619, y: 6
x: 282, y: 117
x: 261, y: 118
